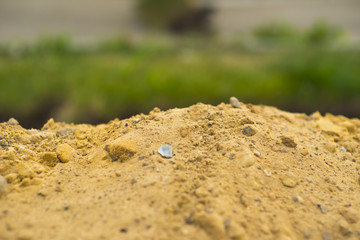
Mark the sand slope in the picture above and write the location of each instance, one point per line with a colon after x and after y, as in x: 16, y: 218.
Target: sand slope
x: 249, y: 173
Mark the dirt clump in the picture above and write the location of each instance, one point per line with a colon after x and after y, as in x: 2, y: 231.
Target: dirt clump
x: 253, y: 172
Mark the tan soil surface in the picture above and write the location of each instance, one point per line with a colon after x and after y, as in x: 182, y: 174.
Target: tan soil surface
x: 253, y: 172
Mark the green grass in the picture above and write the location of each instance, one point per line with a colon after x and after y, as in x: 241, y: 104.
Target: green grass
x: 105, y: 86
x: 118, y: 79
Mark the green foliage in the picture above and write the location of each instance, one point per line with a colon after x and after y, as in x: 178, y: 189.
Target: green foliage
x: 321, y: 78
x: 120, y: 78
x: 53, y: 45
x: 45, y: 45
x: 321, y: 33
x: 276, y: 33
x: 282, y: 34
x: 118, y: 44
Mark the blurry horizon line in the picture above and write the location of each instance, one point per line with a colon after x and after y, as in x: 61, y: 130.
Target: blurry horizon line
x: 27, y: 20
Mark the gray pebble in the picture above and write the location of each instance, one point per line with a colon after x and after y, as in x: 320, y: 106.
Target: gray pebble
x: 249, y: 131
x: 323, y: 208
x: 288, y: 142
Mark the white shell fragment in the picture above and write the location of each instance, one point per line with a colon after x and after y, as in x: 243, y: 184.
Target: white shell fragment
x: 235, y: 102
x: 165, y: 151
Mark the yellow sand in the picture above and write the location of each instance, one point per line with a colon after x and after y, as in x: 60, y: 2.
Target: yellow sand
x: 253, y: 172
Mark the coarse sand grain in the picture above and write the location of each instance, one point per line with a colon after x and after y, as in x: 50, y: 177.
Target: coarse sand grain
x: 253, y: 172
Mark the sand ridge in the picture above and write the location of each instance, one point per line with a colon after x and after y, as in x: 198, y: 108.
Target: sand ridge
x: 253, y: 172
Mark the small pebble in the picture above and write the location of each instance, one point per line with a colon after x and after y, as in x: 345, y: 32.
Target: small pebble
x: 267, y: 172
x: 327, y: 236
x: 343, y: 149
x: 245, y: 159
x: 249, y: 131
x: 298, y: 199
x: 65, y: 153
x: 49, y: 158
x: 257, y: 153
x: 289, y: 180
x: 235, y: 102
x: 3, y: 184
x: 308, y: 180
x: 323, y: 208
x: 12, y: 121
x: 306, y: 234
x: 165, y: 151
x: 288, y: 142
x: 212, y: 224
x: 121, y: 149
x: 304, y: 152
x: 43, y: 192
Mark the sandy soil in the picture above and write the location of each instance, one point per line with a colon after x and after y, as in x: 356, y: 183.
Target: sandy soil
x: 253, y: 172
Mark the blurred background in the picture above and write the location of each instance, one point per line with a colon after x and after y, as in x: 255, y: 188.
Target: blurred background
x: 88, y: 61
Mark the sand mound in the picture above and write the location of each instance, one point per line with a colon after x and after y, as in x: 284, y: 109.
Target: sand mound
x: 253, y: 172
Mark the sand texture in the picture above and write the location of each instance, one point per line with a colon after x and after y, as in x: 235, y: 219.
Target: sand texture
x: 253, y: 172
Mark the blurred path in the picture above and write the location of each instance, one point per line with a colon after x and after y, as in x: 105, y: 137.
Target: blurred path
x: 84, y: 20
x: 91, y: 20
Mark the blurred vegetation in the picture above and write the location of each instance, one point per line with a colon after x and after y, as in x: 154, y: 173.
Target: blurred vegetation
x: 308, y: 70
x: 176, y: 16
x: 158, y: 13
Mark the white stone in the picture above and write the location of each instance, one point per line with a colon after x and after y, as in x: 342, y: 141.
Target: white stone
x: 235, y: 102
x: 165, y: 151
